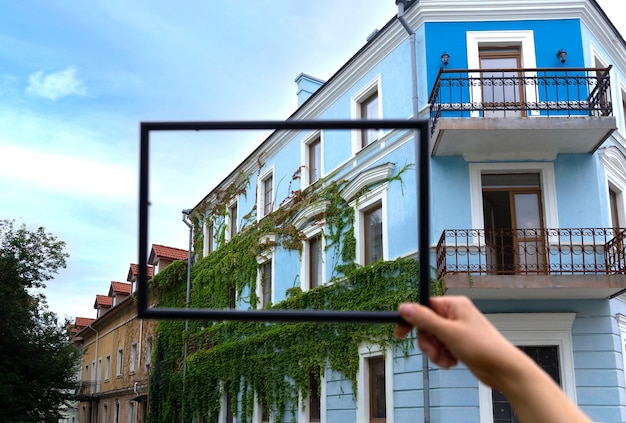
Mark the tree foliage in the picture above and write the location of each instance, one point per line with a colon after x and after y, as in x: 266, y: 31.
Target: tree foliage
x: 38, y: 361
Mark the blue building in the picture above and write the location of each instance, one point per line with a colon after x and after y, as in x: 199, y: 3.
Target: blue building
x: 527, y: 109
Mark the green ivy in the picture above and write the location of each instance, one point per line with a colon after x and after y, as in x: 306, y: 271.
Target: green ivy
x: 275, y: 359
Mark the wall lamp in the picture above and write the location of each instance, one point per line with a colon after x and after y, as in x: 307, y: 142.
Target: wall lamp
x: 562, y: 55
x: 445, y: 58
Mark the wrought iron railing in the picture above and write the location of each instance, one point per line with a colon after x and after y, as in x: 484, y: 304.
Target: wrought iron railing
x: 571, y: 251
x: 88, y: 388
x: 520, y: 92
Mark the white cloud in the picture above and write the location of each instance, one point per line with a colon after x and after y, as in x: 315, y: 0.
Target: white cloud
x: 55, y: 85
x: 75, y: 176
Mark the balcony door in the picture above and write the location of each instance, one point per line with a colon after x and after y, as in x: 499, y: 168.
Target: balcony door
x: 502, y: 89
x: 513, y: 222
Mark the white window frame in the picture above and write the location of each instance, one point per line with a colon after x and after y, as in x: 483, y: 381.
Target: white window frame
x: 209, y: 237
x: 223, y: 404
x: 107, y: 368
x: 377, y: 195
x: 131, y: 411
x: 119, y: 363
x: 374, y: 86
x: 230, y: 232
x: 257, y: 412
x: 303, y: 409
x: 615, y: 171
x: 261, y: 260
x: 132, y: 364
x: 269, y: 173
x: 305, y: 158
x: 305, y: 264
x: 525, y: 39
x: 536, y: 329
x: 548, y: 188
x: 367, y: 351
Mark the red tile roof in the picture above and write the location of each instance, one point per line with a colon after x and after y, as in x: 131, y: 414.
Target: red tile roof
x: 133, y: 272
x: 83, y: 322
x: 103, y: 301
x: 120, y: 288
x: 162, y: 251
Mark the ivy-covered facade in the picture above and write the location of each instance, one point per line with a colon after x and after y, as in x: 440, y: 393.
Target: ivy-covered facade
x: 527, y: 156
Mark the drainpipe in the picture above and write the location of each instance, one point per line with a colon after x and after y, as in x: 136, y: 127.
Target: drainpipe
x: 415, y: 102
x: 186, y: 221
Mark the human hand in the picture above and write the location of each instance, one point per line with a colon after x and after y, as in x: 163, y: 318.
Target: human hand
x: 454, y: 330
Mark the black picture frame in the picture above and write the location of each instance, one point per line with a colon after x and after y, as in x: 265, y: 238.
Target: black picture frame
x: 422, y: 169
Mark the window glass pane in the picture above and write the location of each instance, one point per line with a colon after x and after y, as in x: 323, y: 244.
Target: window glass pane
x: 266, y: 282
x: 369, y: 110
x: 315, y: 160
x: 267, y: 196
x: 233, y: 220
x: 373, y: 234
x: 378, y: 405
x: 315, y: 262
x: 314, y: 399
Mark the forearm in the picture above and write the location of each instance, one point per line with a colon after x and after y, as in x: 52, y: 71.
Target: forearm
x: 536, y: 397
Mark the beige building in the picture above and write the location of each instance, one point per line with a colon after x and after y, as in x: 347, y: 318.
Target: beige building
x: 117, y: 350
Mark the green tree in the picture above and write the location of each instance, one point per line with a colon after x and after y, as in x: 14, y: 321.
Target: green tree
x: 38, y: 362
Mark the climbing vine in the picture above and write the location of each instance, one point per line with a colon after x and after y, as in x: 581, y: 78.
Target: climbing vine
x: 275, y: 360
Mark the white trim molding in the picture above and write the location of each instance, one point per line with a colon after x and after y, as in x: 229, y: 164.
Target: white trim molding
x: 367, y: 351
x: 548, y: 188
x: 525, y: 39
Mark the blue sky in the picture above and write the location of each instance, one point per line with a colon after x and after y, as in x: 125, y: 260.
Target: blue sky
x: 77, y: 77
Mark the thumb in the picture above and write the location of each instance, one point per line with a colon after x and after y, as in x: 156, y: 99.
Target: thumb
x: 421, y: 317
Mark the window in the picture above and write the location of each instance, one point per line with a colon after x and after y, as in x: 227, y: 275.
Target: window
x: 208, y: 238
x: 226, y: 407
x: 547, y: 198
x: 148, y: 357
x: 107, y: 367
x: 369, y: 111
x: 520, y: 44
x: 99, y: 375
x: 105, y: 413
x: 314, y: 401
x: 502, y: 92
x: 314, y: 162
x: 544, y: 336
x: 312, y: 408
x: 315, y: 261
x: 614, y: 206
x: 132, y: 365
x: 373, y: 233
x: 261, y: 413
x: 131, y: 411
x: 116, y: 417
x: 266, y: 194
x: 375, y: 385
x: 265, y: 279
x: 119, y: 363
x: 377, y: 394
x: 367, y: 106
x: 233, y: 228
x: 311, y: 153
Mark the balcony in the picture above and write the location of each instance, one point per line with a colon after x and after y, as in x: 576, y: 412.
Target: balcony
x: 519, y: 114
x: 533, y: 263
x: 88, y: 389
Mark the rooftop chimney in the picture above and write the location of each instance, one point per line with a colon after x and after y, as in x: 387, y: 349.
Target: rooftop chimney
x: 307, y: 85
